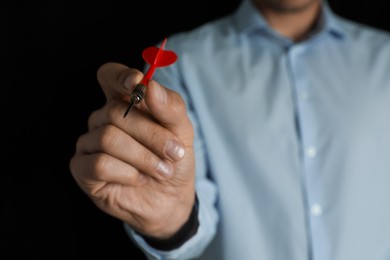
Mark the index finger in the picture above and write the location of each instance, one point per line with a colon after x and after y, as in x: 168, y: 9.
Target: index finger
x: 117, y: 80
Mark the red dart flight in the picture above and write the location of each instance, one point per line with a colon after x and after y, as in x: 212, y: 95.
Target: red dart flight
x: 155, y: 57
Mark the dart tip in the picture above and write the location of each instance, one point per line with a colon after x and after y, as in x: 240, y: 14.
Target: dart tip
x: 129, y: 108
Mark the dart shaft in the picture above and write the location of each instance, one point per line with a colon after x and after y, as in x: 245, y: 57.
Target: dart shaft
x: 148, y: 75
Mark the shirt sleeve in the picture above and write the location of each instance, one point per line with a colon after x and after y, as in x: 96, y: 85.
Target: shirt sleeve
x: 206, y: 189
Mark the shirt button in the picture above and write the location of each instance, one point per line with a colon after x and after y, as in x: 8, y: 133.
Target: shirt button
x: 311, y: 151
x: 316, y: 209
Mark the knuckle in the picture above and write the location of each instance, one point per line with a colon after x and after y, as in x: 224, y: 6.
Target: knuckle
x: 73, y: 165
x: 113, y: 111
x: 149, y: 160
x: 107, y: 137
x: 79, y: 143
x: 110, y: 113
x: 157, y: 139
x: 178, y: 103
x: 92, y: 119
x: 101, y: 165
x: 190, y: 128
x: 134, y: 178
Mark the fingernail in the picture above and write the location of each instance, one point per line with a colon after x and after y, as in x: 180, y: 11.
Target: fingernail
x: 174, y: 149
x: 129, y: 81
x: 160, y: 92
x: 141, y: 179
x: 164, y: 168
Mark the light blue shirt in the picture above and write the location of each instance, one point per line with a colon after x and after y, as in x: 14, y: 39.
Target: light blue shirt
x: 292, y: 140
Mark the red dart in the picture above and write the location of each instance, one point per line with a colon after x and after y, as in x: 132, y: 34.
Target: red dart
x: 155, y: 57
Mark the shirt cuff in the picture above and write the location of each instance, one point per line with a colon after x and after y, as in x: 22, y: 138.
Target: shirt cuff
x: 192, y: 248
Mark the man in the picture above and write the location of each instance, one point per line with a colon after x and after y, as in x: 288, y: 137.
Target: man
x: 267, y: 139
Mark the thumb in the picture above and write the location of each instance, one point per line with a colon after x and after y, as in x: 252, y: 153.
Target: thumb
x: 117, y: 80
x: 169, y: 109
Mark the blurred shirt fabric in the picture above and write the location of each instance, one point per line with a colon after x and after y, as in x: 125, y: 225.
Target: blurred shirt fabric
x: 292, y: 139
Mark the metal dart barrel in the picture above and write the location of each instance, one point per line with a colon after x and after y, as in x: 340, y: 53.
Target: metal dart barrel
x: 136, y: 97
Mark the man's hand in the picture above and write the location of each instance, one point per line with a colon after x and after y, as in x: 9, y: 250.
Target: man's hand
x: 139, y: 169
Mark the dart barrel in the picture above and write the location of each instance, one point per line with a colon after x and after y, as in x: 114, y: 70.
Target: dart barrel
x: 138, y: 93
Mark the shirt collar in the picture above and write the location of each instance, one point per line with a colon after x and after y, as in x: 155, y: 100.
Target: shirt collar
x: 248, y: 19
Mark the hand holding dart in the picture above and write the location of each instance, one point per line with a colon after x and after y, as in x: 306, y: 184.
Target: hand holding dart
x: 156, y: 57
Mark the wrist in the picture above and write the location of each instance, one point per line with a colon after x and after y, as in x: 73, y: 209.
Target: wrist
x: 186, y: 231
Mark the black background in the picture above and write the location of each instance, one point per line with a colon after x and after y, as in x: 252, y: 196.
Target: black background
x: 51, y: 51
